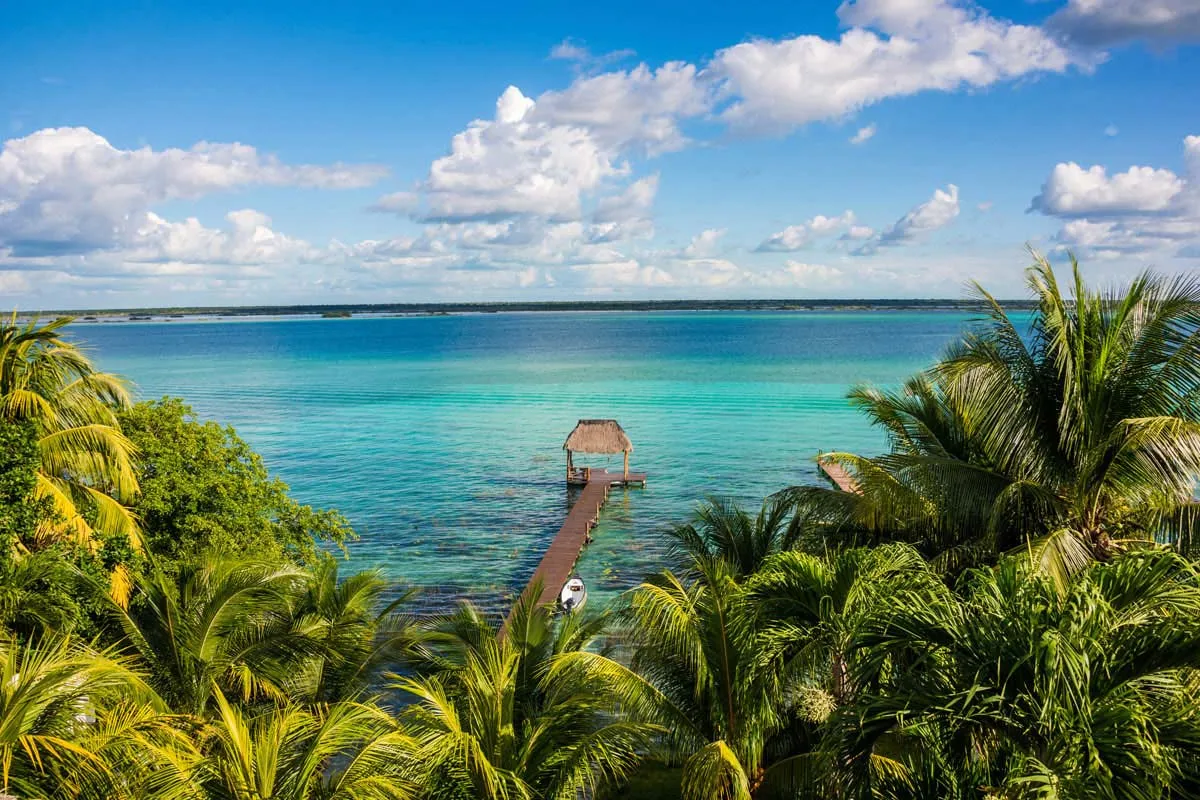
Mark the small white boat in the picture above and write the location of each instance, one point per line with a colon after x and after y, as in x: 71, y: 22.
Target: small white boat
x: 573, y: 595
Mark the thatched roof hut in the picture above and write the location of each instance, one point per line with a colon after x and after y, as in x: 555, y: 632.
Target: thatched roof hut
x: 598, y: 436
x: 604, y: 436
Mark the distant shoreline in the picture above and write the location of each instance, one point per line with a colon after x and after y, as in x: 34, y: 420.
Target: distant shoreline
x: 442, y: 309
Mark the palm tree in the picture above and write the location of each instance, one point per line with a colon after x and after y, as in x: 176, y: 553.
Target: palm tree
x: 86, y: 464
x: 494, y: 720
x: 810, y: 609
x: 222, y: 625
x: 723, y: 531
x: 27, y: 606
x: 359, y: 634
x: 1016, y: 689
x: 60, y: 705
x: 1077, y: 434
x: 343, y: 751
x: 697, y: 673
x: 744, y: 671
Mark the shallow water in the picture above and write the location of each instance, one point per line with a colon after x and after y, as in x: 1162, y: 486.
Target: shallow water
x: 440, y: 437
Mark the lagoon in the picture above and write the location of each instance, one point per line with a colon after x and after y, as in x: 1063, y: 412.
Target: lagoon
x: 440, y: 436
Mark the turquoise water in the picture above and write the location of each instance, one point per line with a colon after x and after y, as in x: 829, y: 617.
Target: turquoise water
x: 440, y: 437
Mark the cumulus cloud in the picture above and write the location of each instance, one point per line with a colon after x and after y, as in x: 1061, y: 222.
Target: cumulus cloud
x: 627, y: 214
x: 856, y: 233
x: 1100, y: 23
x: 549, y: 157
x: 68, y: 190
x: 551, y: 190
x: 1140, y: 211
x: 635, y: 202
x: 892, y: 48
x: 863, y: 134
x: 638, y: 109
x: 813, y: 276
x: 514, y: 165
x: 935, y: 213
x: 1072, y: 191
x: 796, y: 237
x: 791, y: 238
x: 704, y: 244
x: 248, y: 240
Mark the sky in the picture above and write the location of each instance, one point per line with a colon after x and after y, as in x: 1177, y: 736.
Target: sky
x: 213, y: 153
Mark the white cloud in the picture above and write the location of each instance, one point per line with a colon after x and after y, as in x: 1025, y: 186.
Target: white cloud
x: 627, y: 214
x: 704, y: 244
x: 397, y: 203
x: 863, y: 134
x: 550, y: 156
x: 249, y: 240
x: 1108, y: 22
x: 1140, y: 211
x: 790, y: 239
x: 67, y: 190
x: 893, y: 48
x: 512, y: 165
x: 635, y: 202
x: 583, y: 58
x: 1111, y: 130
x: 813, y: 276
x: 14, y: 283
x: 822, y: 225
x: 796, y: 237
x: 858, y: 233
x: 639, y: 109
x: 1072, y: 191
x: 935, y: 213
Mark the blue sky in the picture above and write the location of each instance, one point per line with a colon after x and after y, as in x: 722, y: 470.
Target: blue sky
x: 212, y: 153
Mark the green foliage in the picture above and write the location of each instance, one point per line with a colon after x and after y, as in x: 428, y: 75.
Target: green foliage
x: 1018, y: 689
x: 37, y: 586
x: 496, y: 718
x: 652, y: 781
x: 203, y: 490
x: 774, y: 662
x: 20, y: 513
x: 1076, y: 436
x: 85, y: 464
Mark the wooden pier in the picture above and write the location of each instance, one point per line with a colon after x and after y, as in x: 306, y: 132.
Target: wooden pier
x: 603, y: 436
x: 558, y: 562
x: 838, y: 474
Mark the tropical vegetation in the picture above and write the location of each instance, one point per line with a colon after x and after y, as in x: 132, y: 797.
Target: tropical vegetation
x: 1005, y: 604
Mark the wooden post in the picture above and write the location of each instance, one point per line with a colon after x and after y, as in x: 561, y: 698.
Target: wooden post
x: 568, y: 466
x: 626, y: 465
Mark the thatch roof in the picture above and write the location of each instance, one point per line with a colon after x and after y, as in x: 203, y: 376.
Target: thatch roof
x: 598, y: 436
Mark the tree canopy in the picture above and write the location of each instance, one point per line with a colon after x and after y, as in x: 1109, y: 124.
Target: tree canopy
x: 203, y: 489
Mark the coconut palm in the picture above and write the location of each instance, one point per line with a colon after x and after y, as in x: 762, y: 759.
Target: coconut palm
x: 722, y: 530
x: 1077, y: 433
x: 224, y: 624
x: 86, y: 465
x: 65, y: 721
x: 495, y: 721
x: 697, y: 673
x: 810, y: 609
x: 1018, y: 690
x: 343, y: 751
x: 359, y: 633
x: 27, y: 606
